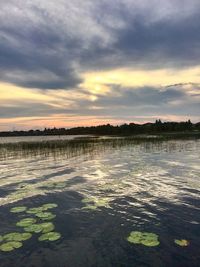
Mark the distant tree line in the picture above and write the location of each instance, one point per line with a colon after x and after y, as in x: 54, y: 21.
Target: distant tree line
x: 124, y: 129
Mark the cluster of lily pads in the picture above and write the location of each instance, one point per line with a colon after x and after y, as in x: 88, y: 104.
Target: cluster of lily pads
x: 144, y: 238
x: 151, y: 239
x: 39, y: 225
x: 95, y: 203
x: 13, y: 241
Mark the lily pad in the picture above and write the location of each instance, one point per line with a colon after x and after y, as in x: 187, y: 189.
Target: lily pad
x: 144, y: 238
x: 9, y: 246
x: 87, y: 200
x: 90, y: 207
x: 51, y: 236
x: 42, y: 227
x: 17, y: 236
x: 102, y: 202
x: 26, y: 222
x: 182, y: 242
x: 57, y: 185
x: 18, y: 209
x: 34, y: 228
x: 35, y: 210
x: 47, y: 227
x: 94, y: 203
x: 45, y: 215
x: 135, y: 237
x: 49, y: 206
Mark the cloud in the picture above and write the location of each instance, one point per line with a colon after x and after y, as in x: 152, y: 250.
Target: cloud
x: 47, y: 44
x: 120, y: 103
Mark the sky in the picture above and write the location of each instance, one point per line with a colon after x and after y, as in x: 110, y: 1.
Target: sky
x: 78, y: 63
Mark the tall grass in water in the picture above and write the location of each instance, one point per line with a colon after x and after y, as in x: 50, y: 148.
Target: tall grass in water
x: 77, y: 147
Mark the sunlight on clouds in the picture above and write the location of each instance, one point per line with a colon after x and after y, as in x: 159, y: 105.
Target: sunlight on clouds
x: 10, y: 92
x: 12, y: 95
x: 98, y: 82
x: 95, y: 85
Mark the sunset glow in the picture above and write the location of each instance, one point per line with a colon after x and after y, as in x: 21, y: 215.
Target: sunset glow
x: 84, y: 70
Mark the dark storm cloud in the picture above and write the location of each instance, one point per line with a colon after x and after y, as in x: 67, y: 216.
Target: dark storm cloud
x: 144, y: 101
x: 161, y: 44
x: 46, y: 44
x: 31, y: 109
x: 33, y: 59
x: 141, y: 96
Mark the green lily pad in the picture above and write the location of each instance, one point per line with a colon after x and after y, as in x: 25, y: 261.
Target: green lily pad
x: 35, y: 210
x: 87, y: 200
x: 51, y: 236
x: 94, y: 203
x: 135, y: 237
x: 17, y: 236
x: 42, y: 227
x: 89, y: 207
x: 49, y: 206
x: 144, y: 238
x: 58, y: 185
x: 18, y: 209
x: 47, y: 227
x: 26, y: 222
x: 34, y: 228
x: 182, y: 242
x: 150, y: 243
x: 9, y: 246
x: 102, y: 202
x: 45, y: 215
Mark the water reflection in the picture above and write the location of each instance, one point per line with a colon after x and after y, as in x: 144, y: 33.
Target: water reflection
x: 148, y: 186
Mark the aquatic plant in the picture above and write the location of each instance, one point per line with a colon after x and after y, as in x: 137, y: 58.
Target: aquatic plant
x: 90, y: 207
x: 34, y: 228
x: 9, y: 246
x: 42, y: 208
x: 49, y: 206
x: 102, y: 202
x: 113, y: 186
x: 26, y: 222
x: 182, y: 242
x: 35, y: 210
x: 135, y: 237
x: 56, y: 185
x: 45, y: 215
x: 42, y: 227
x: 51, y: 236
x: 94, y: 203
x: 13, y: 240
x: 144, y: 238
x: 47, y: 227
x: 17, y: 236
x: 88, y: 200
x: 18, y: 209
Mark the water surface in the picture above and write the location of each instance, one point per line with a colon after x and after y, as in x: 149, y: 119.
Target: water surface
x: 146, y: 186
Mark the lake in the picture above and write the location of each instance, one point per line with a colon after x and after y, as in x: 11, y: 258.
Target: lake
x: 110, y: 204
